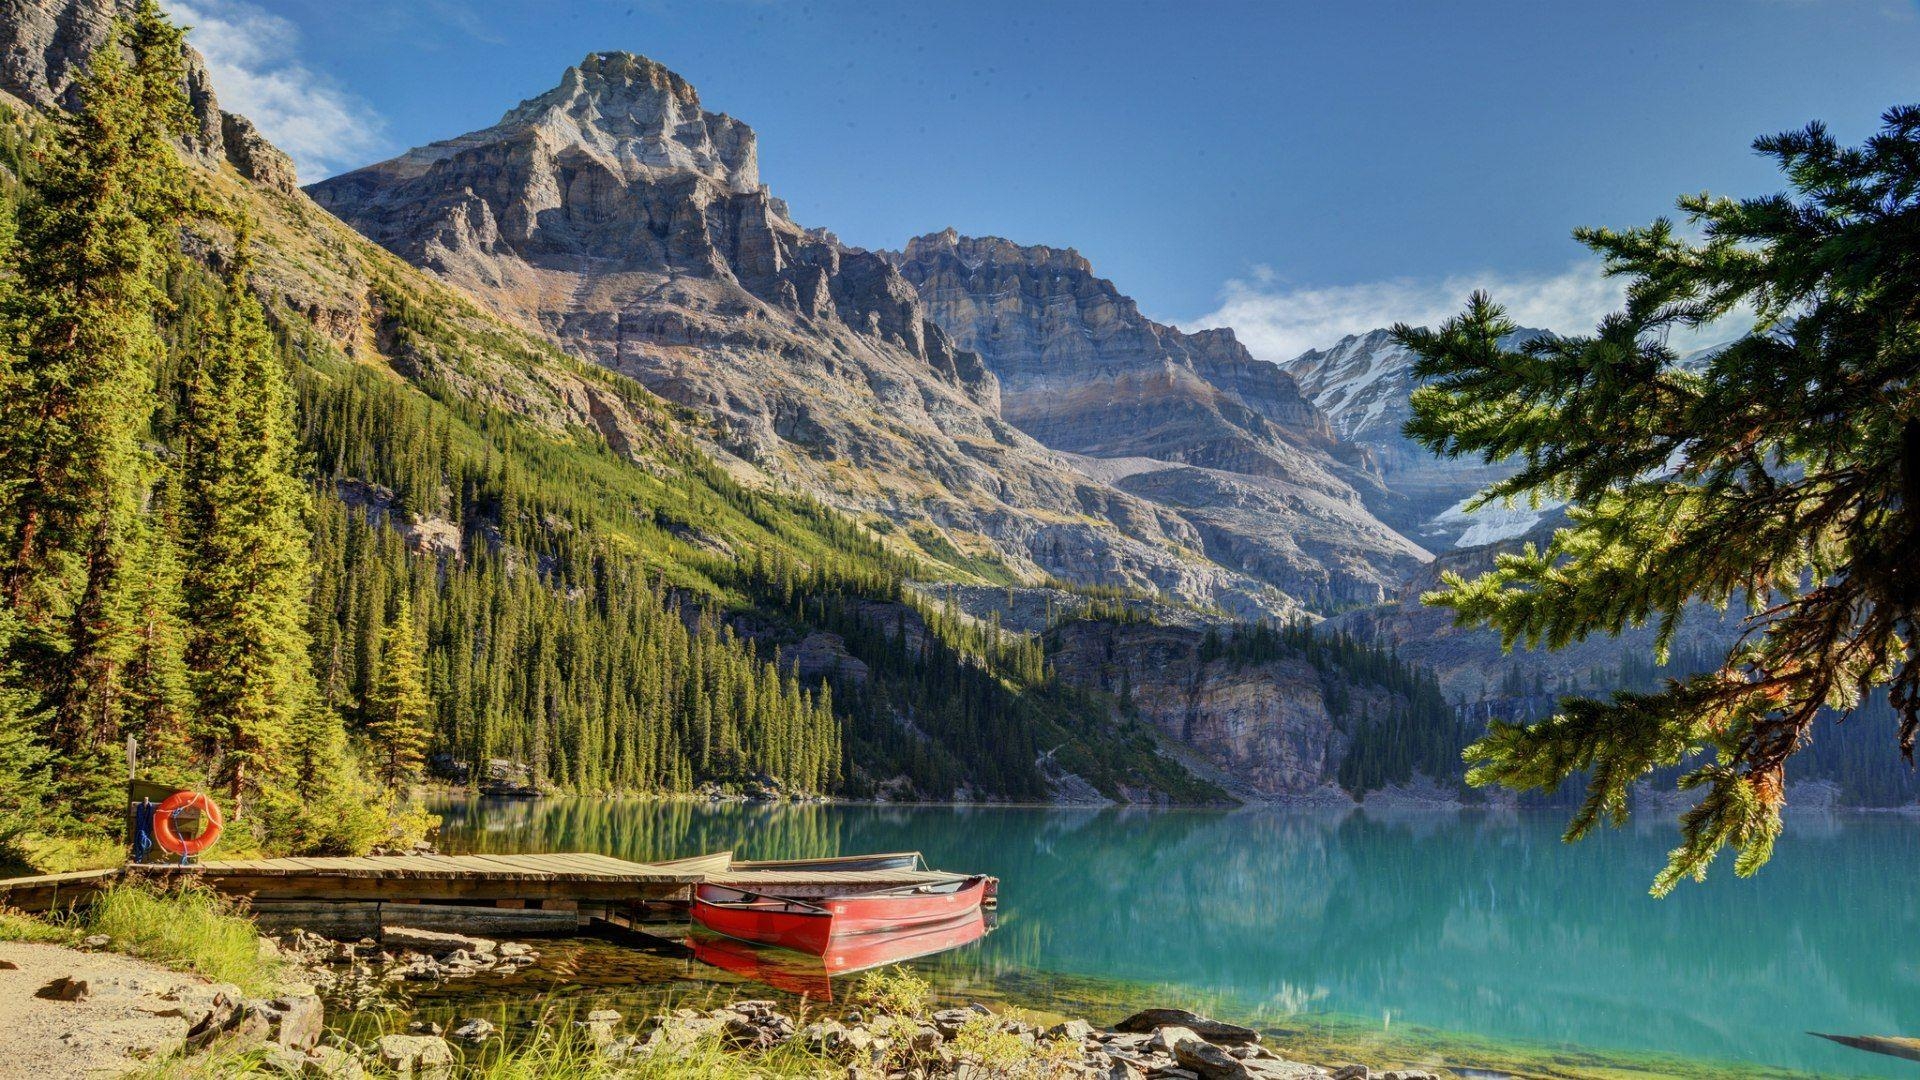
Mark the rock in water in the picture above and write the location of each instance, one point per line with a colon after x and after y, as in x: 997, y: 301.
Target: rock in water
x: 474, y: 1030
x: 1215, y: 1031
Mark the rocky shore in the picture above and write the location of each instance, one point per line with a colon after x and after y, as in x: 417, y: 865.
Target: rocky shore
x: 71, y: 1009
x: 888, y: 1034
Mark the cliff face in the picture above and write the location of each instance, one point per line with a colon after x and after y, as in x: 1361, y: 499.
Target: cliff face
x: 1082, y: 370
x: 1189, y: 422
x: 44, y: 46
x: 1265, y: 726
x: 629, y: 224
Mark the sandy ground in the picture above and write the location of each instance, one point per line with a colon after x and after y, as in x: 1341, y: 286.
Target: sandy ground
x: 134, y: 1010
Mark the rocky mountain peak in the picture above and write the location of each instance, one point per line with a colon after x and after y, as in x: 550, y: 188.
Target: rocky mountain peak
x: 1066, y: 344
x: 979, y: 251
x: 628, y: 224
x: 1363, y: 383
x: 632, y: 116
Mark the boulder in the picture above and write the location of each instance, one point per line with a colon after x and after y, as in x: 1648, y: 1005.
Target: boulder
x: 1206, y: 1059
x: 1166, y: 1038
x: 1077, y: 1030
x: 949, y: 1021
x: 331, y: 1063
x: 1214, y: 1031
x: 292, y: 1021
x: 416, y: 1057
x: 473, y: 1030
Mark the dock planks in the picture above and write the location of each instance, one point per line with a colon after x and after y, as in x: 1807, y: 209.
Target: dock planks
x: 549, y: 880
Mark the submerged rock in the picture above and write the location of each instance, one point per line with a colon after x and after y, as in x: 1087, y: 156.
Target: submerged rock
x: 1149, y: 1020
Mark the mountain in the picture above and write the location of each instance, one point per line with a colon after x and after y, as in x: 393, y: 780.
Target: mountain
x: 617, y: 216
x: 1362, y: 383
x: 1190, y: 422
x: 612, y: 603
x: 604, y: 603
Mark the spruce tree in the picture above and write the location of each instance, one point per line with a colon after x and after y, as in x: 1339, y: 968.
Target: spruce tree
x: 158, y: 691
x: 92, y: 245
x: 245, y: 513
x: 398, y: 713
x: 23, y: 759
x: 1783, y: 474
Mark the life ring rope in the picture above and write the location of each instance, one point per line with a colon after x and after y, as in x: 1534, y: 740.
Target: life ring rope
x: 171, y: 841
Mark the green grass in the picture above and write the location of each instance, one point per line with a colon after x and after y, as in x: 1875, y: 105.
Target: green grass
x: 17, y: 926
x: 42, y: 853
x: 189, y: 929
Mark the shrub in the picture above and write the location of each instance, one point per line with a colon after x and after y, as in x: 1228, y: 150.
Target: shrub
x: 896, y: 991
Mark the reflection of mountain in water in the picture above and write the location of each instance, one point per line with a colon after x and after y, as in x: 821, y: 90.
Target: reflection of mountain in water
x: 1475, y: 923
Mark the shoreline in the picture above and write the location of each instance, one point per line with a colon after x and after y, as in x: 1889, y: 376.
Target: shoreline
x: 1309, y: 802
x: 747, y: 1028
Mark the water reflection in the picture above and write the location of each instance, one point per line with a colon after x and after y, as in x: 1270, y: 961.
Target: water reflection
x: 1475, y: 923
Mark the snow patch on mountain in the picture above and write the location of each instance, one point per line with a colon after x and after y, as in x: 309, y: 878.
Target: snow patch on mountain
x: 1488, y: 525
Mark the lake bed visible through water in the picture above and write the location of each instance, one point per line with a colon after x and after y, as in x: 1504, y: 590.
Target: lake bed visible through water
x: 1469, y: 937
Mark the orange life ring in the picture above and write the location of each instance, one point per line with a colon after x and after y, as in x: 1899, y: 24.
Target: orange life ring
x: 169, y: 840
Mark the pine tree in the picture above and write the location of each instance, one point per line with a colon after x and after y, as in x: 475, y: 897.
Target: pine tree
x: 398, y: 713
x: 245, y: 512
x: 1784, y: 473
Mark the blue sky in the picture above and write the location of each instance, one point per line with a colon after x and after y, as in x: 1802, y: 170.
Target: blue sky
x: 1294, y: 170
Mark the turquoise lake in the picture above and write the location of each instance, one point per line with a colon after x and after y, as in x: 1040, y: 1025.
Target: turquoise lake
x: 1477, y: 925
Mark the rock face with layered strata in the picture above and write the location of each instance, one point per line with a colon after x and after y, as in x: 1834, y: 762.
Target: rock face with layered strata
x: 1191, y: 422
x: 628, y: 223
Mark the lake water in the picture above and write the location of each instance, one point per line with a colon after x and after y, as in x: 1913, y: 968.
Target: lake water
x: 1469, y: 938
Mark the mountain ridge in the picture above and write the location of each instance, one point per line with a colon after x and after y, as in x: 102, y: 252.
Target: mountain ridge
x: 1236, y: 448
x: 628, y: 225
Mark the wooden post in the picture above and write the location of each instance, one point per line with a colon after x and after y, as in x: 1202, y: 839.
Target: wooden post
x: 133, y: 770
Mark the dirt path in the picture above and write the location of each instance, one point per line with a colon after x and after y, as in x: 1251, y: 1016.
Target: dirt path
x: 132, y: 1010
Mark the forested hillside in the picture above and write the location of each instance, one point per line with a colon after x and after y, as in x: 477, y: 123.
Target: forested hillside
x: 423, y: 529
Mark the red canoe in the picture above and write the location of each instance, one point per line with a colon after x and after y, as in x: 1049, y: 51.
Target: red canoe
x: 811, y: 926
x: 811, y: 976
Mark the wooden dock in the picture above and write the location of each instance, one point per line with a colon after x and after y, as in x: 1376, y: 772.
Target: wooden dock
x: 501, y: 894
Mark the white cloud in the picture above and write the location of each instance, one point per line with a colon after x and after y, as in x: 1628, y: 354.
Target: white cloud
x: 253, y: 57
x: 1279, y: 321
